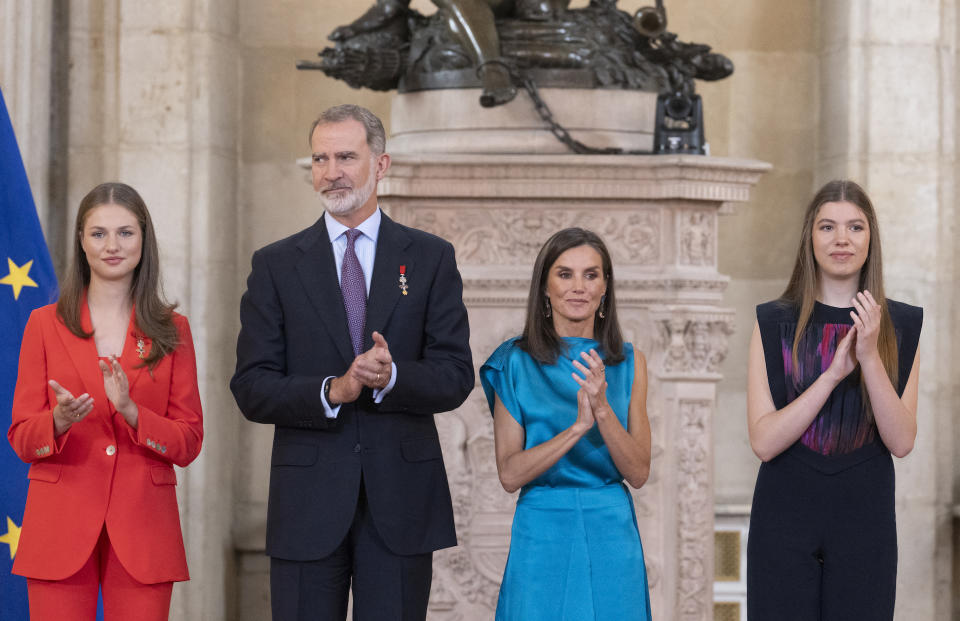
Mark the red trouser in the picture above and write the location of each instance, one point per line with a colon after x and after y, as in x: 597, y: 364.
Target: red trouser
x: 75, y: 598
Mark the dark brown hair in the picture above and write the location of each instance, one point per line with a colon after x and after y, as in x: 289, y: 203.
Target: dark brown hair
x: 153, y: 314
x: 803, y: 288
x: 540, y: 338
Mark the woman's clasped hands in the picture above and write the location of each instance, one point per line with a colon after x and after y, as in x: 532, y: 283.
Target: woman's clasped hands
x: 592, y: 403
x: 860, y: 343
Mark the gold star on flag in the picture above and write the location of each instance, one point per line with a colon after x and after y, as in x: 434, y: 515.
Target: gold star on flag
x: 12, y: 538
x: 18, y: 278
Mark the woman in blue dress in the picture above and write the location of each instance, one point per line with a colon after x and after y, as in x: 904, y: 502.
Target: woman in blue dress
x: 570, y: 423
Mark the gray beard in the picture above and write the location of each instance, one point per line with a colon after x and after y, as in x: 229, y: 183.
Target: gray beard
x: 353, y: 200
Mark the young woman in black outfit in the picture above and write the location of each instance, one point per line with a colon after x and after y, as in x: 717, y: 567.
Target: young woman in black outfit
x: 832, y: 392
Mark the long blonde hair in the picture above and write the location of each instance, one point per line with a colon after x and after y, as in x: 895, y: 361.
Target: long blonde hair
x: 803, y: 287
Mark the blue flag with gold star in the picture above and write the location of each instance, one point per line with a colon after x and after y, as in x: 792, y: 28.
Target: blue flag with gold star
x: 27, y: 280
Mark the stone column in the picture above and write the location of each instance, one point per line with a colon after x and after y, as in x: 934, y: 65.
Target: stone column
x: 658, y: 216
x: 154, y: 88
x: 25, y: 62
x: 888, y: 120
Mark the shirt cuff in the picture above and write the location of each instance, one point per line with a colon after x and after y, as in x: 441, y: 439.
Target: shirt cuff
x: 380, y: 393
x: 328, y: 411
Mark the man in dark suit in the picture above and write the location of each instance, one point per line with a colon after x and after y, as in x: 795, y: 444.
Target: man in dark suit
x: 353, y: 334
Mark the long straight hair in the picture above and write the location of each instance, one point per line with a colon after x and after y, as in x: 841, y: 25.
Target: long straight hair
x: 540, y: 338
x: 804, y: 285
x: 153, y: 314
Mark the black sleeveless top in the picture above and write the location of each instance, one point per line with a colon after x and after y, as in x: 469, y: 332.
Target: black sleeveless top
x: 841, y: 428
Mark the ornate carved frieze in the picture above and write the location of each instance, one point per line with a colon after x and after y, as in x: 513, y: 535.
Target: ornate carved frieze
x: 509, y: 236
x: 695, y: 510
x: 692, y: 342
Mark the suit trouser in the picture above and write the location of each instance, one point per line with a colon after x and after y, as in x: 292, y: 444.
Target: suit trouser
x: 386, y: 586
x: 822, y: 546
x: 75, y: 598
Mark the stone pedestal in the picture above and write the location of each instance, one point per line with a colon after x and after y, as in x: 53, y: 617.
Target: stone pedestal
x: 451, y: 121
x: 658, y: 216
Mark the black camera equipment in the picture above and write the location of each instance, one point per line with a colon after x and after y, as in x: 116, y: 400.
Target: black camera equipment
x: 679, y: 125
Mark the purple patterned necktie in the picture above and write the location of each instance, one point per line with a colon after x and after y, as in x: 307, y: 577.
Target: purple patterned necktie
x: 354, y: 289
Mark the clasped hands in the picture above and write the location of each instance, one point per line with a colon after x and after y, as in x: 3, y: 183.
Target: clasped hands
x: 71, y: 410
x: 592, y: 403
x: 371, y: 369
x: 860, y: 343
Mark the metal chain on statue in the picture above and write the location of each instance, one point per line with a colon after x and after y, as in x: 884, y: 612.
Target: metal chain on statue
x: 394, y: 47
x: 561, y: 133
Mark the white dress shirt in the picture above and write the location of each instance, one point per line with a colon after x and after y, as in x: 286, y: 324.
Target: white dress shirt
x: 366, y: 248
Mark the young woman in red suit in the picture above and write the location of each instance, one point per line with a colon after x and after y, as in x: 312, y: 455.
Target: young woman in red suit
x: 106, y: 402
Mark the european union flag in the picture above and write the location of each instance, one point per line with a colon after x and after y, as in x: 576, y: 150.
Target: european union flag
x: 27, y: 281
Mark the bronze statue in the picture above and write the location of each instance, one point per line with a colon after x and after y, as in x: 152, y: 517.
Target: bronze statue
x: 494, y: 44
x: 472, y: 23
x: 498, y: 45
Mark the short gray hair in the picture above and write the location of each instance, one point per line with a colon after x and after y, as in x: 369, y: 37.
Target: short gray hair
x: 376, y: 136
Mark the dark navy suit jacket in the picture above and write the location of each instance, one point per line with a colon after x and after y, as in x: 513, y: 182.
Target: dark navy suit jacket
x: 294, y: 334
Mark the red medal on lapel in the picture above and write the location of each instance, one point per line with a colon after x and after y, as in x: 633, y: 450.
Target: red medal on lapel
x: 403, y: 279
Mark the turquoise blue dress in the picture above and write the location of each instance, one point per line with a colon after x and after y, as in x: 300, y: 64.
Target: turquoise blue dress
x: 575, y: 551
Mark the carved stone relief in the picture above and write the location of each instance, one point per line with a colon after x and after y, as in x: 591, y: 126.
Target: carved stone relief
x: 691, y: 343
x: 697, y: 238
x: 511, y: 235
x: 695, y: 511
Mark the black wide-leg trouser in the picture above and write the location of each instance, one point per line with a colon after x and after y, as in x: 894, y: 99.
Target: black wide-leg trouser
x: 823, y: 541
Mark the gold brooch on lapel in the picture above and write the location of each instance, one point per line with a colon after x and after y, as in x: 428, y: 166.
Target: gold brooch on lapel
x: 403, y: 279
x: 141, y: 348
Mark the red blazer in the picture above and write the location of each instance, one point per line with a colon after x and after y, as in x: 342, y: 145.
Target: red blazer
x: 103, y: 471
